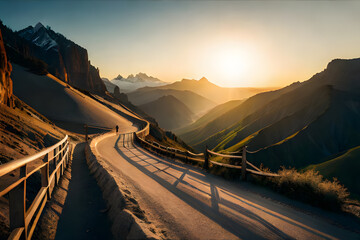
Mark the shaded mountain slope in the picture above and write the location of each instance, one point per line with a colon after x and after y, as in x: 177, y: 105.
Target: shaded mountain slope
x: 336, y: 130
x: 211, y: 115
x: 232, y: 116
x: 196, y: 103
x: 280, y: 118
x: 169, y: 112
x: 258, y: 112
x: 60, y: 103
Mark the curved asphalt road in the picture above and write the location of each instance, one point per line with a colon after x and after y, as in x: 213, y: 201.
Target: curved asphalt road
x: 192, y: 204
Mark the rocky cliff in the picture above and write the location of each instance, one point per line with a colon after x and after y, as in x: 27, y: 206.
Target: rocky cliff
x: 62, y: 57
x: 6, y: 88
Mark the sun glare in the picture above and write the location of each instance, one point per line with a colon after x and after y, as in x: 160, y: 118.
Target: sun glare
x: 232, y: 63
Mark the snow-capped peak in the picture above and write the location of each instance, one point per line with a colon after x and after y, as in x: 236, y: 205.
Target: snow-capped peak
x: 38, y: 26
x: 39, y: 36
x: 140, y: 80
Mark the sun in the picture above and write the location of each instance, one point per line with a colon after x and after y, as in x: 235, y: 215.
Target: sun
x: 232, y: 64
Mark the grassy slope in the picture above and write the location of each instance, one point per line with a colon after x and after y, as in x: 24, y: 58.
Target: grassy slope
x: 226, y: 122
x: 345, y: 168
x: 328, y: 134
x: 274, y: 120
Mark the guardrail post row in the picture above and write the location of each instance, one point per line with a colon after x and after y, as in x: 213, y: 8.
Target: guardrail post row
x: 17, y: 204
x: 206, y: 156
x: 45, y: 176
x: 23, y: 221
x: 243, y: 164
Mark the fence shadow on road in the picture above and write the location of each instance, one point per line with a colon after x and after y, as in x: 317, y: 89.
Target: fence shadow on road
x: 236, y: 224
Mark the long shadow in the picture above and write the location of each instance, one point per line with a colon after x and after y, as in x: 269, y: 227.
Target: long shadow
x: 268, y: 212
x: 81, y: 217
x: 224, y: 221
x: 167, y: 173
x: 214, y: 197
x: 226, y: 191
x: 173, y: 164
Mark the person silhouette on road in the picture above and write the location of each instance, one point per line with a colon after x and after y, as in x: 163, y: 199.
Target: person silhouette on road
x: 117, y: 128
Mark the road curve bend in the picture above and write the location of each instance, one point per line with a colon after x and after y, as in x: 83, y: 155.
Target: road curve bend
x: 192, y: 204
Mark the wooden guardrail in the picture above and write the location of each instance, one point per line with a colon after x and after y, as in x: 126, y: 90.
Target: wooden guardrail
x: 245, y: 167
x: 14, y: 175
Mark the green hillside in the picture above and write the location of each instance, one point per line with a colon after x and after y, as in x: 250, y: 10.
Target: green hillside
x: 228, y: 120
x: 310, y: 123
x: 345, y: 168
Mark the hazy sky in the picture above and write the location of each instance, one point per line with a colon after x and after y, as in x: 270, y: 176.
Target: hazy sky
x: 232, y: 43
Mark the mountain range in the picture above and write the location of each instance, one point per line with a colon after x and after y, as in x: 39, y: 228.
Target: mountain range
x: 195, y: 94
x: 207, y: 89
x: 132, y: 83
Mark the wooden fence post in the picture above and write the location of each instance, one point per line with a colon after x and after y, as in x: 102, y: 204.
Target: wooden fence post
x: 206, y: 156
x: 17, y: 204
x: 55, y: 164
x: 243, y: 164
x: 86, y: 132
x: 45, y: 176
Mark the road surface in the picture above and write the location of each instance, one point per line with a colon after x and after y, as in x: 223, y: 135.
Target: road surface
x: 192, y: 204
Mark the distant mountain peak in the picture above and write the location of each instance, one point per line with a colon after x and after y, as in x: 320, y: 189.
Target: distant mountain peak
x: 38, y: 26
x: 140, y: 77
x: 203, y: 79
x: 341, y: 64
x: 39, y: 36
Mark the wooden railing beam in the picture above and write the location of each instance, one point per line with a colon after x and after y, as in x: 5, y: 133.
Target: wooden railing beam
x: 243, y: 164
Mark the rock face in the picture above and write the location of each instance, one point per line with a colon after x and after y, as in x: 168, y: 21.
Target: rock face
x: 6, y: 88
x: 120, y: 96
x: 64, y: 58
